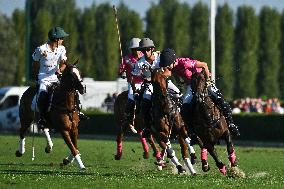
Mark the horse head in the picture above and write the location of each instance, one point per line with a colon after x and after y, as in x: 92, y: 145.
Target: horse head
x: 159, y: 81
x: 199, y: 85
x: 72, y: 80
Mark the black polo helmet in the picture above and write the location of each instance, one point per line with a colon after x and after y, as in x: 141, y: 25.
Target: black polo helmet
x: 167, y: 57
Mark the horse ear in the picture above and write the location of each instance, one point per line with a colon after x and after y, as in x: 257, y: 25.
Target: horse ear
x: 76, y: 62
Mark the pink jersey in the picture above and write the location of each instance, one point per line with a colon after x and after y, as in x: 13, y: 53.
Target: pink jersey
x: 127, y: 65
x: 185, y: 68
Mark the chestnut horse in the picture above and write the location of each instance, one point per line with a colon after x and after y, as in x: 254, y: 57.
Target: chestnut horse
x: 167, y: 121
x: 119, y: 115
x: 62, y: 114
x: 209, y: 124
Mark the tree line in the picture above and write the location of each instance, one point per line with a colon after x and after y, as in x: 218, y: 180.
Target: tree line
x: 249, y: 46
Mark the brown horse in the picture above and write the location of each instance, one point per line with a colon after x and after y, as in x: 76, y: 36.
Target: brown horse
x: 209, y: 124
x: 62, y: 114
x: 119, y: 115
x: 167, y: 121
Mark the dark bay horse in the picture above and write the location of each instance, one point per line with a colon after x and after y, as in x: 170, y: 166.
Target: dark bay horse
x: 209, y: 124
x: 62, y: 114
x: 167, y: 121
x: 119, y: 115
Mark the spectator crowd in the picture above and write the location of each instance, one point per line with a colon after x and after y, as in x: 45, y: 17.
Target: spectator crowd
x: 257, y: 105
x: 108, y: 103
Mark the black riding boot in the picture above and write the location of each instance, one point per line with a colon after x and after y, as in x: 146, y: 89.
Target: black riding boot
x: 185, y: 114
x: 81, y: 115
x: 227, y: 112
x: 42, y: 105
x: 146, y: 111
x: 129, y: 113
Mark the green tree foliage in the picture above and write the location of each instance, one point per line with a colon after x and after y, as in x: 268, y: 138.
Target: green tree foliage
x: 130, y: 25
x: 224, y: 50
x: 269, y: 52
x: 200, y: 46
x: 19, y: 28
x: 106, y: 54
x: 246, y: 46
x: 87, y: 30
x: 281, y: 71
x: 155, y: 26
x: 8, y: 60
x: 179, y: 27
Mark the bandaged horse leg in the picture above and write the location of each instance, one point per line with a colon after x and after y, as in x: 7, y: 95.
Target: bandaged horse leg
x: 171, y: 154
x: 222, y: 167
x: 49, y: 145
x: 145, y: 146
x: 73, y: 149
x: 184, y: 152
x: 205, y: 165
x: 118, y: 150
x: 22, y: 146
x: 191, y: 150
x: 230, y: 150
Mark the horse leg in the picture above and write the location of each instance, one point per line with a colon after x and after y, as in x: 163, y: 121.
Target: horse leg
x: 119, y: 138
x: 171, y: 153
x: 22, y: 144
x: 205, y: 165
x: 184, y: 152
x: 73, y: 149
x: 49, y: 143
x: 230, y: 149
x: 219, y: 164
x: 144, y: 145
x: 191, y: 150
x: 157, y: 152
x: 74, y: 135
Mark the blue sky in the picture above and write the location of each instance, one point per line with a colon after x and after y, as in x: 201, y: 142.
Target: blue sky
x: 140, y: 6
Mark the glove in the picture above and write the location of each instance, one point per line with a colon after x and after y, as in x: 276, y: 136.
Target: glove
x: 122, y: 75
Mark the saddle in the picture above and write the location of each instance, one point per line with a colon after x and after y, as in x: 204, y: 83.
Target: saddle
x: 50, y: 91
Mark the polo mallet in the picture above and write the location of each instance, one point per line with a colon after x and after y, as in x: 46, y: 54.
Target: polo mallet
x: 118, y: 34
x: 33, y: 124
x: 121, y: 60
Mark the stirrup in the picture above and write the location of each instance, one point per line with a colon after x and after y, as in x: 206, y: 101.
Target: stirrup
x: 132, y: 128
x: 82, y: 116
x: 41, y: 123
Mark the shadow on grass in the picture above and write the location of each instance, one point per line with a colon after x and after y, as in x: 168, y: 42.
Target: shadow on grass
x: 43, y: 172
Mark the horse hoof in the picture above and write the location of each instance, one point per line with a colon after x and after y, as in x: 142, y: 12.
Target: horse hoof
x: 18, y: 154
x: 117, y: 157
x: 223, y: 170
x: 65, y: 161
x: 193, y: 159
x: 47, y: 149
x: 146, y: 155
x: 83, y: 169
x: 180, y: 169
x: 205, y: 167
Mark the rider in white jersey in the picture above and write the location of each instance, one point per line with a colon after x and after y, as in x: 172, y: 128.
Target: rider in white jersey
x: 49, y: 61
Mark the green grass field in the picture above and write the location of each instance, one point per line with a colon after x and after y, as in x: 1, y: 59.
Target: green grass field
x: 264, y: 167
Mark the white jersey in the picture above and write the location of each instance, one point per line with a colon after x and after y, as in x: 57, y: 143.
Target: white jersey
x: 49, y: 61
x: 143, y: 63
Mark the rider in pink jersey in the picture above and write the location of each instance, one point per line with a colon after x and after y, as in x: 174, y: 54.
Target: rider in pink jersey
x: 185, y: 68
x: 134, y: 82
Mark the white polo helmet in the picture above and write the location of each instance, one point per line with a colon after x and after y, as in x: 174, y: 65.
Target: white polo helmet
x: 134, y: 43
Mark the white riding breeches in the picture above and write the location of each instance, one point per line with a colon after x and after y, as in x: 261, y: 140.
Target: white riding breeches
x: 171, y: 89
x: 130, y: 90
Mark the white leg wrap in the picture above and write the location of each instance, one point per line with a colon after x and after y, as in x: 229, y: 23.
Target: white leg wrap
x: 175, y: 161
x: 190, y: 148
x: 79, y: 161
x: 22, y: 146
x: 189, y: 166
x: 48, y: 138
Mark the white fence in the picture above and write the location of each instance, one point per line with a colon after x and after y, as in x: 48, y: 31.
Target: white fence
x: 97, y: 91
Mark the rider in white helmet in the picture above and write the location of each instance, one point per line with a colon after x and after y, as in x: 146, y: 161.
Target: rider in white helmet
x: 134, y: 82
